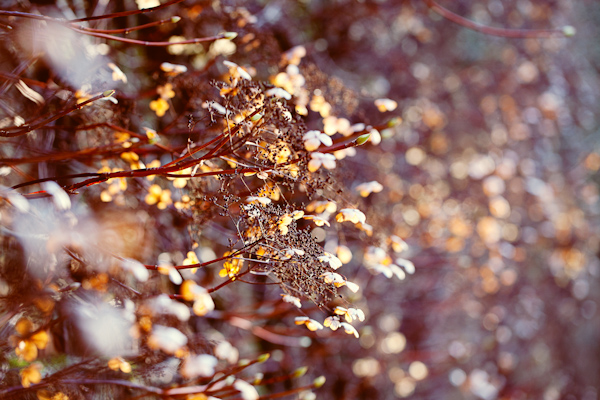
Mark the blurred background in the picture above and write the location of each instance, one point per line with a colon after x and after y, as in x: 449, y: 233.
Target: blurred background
x: 491, y: 179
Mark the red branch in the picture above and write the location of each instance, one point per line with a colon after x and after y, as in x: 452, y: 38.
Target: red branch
x: 488, y: 30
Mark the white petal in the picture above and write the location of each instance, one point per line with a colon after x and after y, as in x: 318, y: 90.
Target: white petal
x: 136, y: 268
x: 407, y: 264
x: 247, y: 391
x: 175, y: 276
x: 352, y: 286
x: 60, y: 197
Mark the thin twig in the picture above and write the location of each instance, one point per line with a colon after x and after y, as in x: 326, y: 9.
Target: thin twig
x: 489, y: 30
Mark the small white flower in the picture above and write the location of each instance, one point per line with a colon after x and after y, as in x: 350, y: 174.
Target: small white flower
x: 313, y: 139
x: 307, y: 395
x: 398, y: 245
x: 322, y: 206
x: 333, y: 277
x: 357, y: 127
x: 144, y: 4
x: 163, y: 304
x: 408, y: 266
x: 375, y: 255
x: 175, y: 276
x: 356, y: 313
x: 247, y: 391
x: 166, y: 339
x: 333, y: 261
x: 352, y: 286
x: 384, y: 105
x: 173, y: 69
x: 203, y: 303
x: 375, y: 137
x: 200, y: 365
x: 365, y: 189
x: 16, y: 199
x: 382, y: 269
x: 349, y: 329
x: 279, y: 92
x: 332, y: 323
x: 138, y: 269
x: 310, y: 323
x: 240, y: 71
x: 60, y: 197
x: 343, y: 153
x: 295, y: 54
x: 352, y: 215
x: 368, y: 229
x: 166, y: 268
x: 333, y: 125
x: 343, y: 311
x: 264, y: 175
x: 396, y: 270
x: 291, y: 299
x: 218, y: 108
x: 319, y: 221
x: 256, y: 199
x: 225, y: 351
x: 297, y: 214
x: 117, y: 74
x: 289, y: 253
x: 321, y: 159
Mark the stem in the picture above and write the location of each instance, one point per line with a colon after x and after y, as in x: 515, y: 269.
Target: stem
x: 204, y: 264
x: 24, y: 129
x: 228, y: 281
x: 488, y: 30
x: 20, y: 390
x: 286, y: 393
x: 126, y: 13
x: 126, y: 30
x: 145, y: 43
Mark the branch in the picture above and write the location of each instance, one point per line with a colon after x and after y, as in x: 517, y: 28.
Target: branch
x: 566, y: 31
x: 16, y: 391
x: 23, y: 129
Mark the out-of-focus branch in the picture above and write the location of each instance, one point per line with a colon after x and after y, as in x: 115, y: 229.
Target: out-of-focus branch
x: 502, y: 32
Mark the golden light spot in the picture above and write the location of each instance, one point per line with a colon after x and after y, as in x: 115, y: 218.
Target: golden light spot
x: 499, y: 207
x: 344, y: 254
x: 405, y: 387
x: 156, y: 195
x: 508, y: 277
x: 415, y: 156
x: 365, y: 367
x: 455, y: 244
x: 460, y: 227
x: 384, y: 105
x: 510, y: 232
x: 592, y: 162
x: 318, y: 104
x: 488, y: 104
x: 490, y: 285
x: 438, y: 143
x: 393, y: 343
x: 489, y: 230
x: 418, y: 370
x: 433, y: 118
